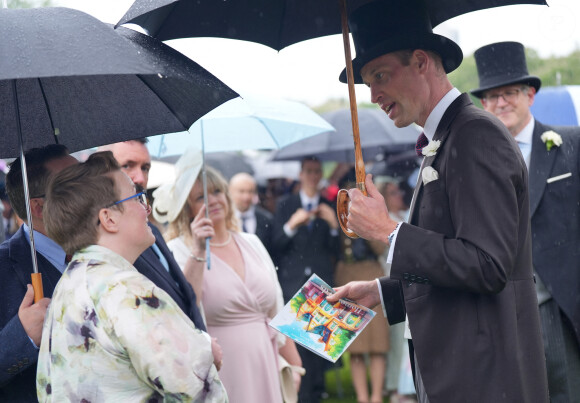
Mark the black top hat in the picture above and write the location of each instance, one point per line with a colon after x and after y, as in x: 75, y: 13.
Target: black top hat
x: 500, y: 64
x: 387, y: 26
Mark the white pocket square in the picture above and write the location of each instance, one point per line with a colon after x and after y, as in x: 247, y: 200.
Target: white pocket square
x: 559, y: 177
x: 429, y: 175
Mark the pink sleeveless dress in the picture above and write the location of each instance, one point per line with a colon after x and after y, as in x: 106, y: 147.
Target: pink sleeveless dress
x: 237, y: 313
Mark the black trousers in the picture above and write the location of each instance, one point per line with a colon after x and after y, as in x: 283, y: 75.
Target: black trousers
x: 313, y: 384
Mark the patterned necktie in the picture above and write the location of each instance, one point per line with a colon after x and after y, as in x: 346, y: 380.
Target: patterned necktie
x: 422, y: 141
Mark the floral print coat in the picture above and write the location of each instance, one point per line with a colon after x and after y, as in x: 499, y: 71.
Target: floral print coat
x: 111, y: 335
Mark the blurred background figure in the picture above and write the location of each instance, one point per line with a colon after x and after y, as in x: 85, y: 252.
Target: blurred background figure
x: 399, y: 378
x: 240, y: 292
x: 10, y: 220
x: 306, y: 241
x: 253, y: 218
x: 359, y: 261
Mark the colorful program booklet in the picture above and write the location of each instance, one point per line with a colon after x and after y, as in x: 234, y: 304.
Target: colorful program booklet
x: 321, y: 327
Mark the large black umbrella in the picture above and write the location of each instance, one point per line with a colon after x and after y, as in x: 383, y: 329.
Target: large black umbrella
x: 279, y: 23
x: 67, y: 78
x: 378, y: 136
x: 274, y: 23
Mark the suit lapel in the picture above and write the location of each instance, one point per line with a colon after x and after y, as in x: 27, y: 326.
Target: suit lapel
x: 541, y: 163
x: 441, y: 134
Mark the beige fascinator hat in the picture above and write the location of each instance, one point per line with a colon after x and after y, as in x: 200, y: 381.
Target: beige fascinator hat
x: 170, y: 198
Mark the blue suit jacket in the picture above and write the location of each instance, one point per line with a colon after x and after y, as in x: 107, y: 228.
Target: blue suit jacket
x: 18, y: 356
x: 176, y: 285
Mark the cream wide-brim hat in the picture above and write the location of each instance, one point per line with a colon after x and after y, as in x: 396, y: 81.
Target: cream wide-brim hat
x: 170, y: 198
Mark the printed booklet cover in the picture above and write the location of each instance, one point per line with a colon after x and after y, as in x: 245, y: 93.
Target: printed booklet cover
x: 321, y: 327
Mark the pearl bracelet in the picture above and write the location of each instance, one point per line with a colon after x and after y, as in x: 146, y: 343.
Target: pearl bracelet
x: 196, y: 258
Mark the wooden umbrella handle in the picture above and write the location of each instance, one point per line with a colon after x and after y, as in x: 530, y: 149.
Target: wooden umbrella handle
x: 37, y: 286
x: 343, y: 199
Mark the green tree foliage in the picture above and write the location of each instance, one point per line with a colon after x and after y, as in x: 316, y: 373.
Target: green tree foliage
x: 552, y: 71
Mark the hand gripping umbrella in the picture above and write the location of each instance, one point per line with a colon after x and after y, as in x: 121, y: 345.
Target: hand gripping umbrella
x: 67, y: 78
x: 280, y: 23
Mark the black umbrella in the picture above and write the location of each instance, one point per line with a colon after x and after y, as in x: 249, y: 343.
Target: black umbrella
x: 67, y: 78
x: 378, y: 136
x: 274, y: 23
x: 279, y: 23
x: 81, y: 83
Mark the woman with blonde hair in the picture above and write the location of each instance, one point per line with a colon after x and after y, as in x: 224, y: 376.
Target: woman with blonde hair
x: 240, y: 291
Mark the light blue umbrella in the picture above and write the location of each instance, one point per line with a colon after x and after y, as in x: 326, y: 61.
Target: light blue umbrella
x: 251, y: 123
x: 558, y: 105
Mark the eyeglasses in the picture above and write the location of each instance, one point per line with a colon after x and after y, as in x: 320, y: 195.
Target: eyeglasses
x: 141, y: 196
x: 508, y: 96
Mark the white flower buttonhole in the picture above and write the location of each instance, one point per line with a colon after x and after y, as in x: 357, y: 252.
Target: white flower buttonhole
x: 431, y: 148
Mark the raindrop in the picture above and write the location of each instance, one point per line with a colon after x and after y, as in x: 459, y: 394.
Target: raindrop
x: 56, y: 131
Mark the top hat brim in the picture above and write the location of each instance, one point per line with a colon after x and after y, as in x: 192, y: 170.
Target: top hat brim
x: 532, y: 81
x: 450, y: 53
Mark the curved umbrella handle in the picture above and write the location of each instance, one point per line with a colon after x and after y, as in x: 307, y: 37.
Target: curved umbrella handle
x: 37, y: 286
x: 343, y: 200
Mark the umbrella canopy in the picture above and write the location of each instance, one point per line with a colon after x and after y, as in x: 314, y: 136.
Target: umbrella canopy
x: 66, y: 77
x: 399, y: 165
x: 242, y: 124
x: 228, y: 163
x: 274, y: 23
x: 558, y: 105
x: 378, y: 135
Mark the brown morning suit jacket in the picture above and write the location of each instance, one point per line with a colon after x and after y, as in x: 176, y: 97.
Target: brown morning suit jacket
x: 462, y: 271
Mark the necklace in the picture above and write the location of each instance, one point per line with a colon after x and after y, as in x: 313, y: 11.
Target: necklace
x: 219, y: 245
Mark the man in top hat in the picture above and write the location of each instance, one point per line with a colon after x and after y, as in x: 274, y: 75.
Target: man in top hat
x: 461, y: 269
x: 508, y: 91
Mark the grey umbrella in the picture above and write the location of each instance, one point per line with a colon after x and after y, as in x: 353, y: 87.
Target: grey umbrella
x: 67, y: 78
x: 378, y: 136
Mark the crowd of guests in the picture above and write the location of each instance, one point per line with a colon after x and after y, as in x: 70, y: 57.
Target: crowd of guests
x: 179, y: 312
x: 143, y: 311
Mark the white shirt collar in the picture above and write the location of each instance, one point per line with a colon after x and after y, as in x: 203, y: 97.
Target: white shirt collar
x: 52, y: 251
x: 304, y: 199
x: 249, y: 213
x: 525, y: 136
x: 437, y: 113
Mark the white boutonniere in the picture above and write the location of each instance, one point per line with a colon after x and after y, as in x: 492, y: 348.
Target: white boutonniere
x: 429, y: 174
x: 431, y: 148
x: 551, y: 139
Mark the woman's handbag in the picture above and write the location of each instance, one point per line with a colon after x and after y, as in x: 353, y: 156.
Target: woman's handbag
x: 289, y: 392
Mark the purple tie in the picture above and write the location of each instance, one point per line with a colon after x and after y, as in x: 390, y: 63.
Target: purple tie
x: 422, y: 141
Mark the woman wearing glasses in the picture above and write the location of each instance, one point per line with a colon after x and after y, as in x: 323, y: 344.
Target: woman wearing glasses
x: 110, y: 333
